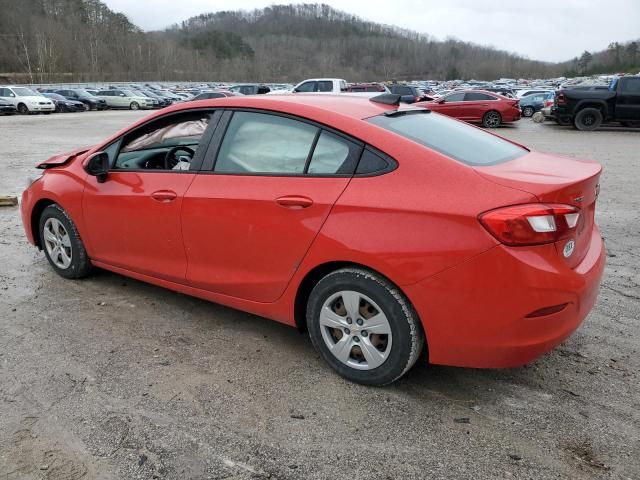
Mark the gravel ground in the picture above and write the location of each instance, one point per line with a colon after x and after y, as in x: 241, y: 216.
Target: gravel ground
x: 110, y: 378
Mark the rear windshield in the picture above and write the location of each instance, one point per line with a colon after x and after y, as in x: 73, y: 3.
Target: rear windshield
x: 450, y: 137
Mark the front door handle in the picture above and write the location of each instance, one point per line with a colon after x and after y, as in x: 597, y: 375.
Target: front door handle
x: 164, y: 196
x: 294, y: 201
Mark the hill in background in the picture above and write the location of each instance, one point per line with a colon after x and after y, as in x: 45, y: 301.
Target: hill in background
x: 83, y: 40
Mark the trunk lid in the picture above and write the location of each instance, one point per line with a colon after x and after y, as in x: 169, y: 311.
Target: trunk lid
x: 555, y: 179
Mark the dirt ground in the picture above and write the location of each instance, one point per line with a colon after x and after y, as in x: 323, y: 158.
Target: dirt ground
x: 110, y: 378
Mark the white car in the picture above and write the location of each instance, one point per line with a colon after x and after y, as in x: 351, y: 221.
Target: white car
x: 321, y: 85
x: 26, y: 100
x: 125, y: 99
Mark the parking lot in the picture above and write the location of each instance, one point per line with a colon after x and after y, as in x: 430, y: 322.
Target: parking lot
x: 111, y: 378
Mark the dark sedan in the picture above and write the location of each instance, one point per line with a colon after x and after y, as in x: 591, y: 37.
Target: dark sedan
x: 63, y: 104
x: 7, y: 108
x: 82, y: 95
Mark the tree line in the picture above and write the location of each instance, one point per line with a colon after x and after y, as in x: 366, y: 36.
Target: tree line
x: 84, y: 41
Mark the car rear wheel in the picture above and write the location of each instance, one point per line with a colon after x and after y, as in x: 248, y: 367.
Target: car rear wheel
x: 134, y: 106
x: 61, y: 243
x: 23, y: 109
x: 363, y: 326
x: 588, y: 119
x: 528, y: 112
x: 491, y: 119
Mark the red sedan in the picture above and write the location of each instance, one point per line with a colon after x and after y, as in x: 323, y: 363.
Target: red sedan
x: 384, y: 231
x: 486, y: 108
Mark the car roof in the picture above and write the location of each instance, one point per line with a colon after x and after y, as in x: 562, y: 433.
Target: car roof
x: 341, y: 104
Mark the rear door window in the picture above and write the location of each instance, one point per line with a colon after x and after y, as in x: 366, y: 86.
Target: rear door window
x: 452, y: 138
x: 333, y: 155
x: 258, y: 143
x: 454, y: 97
x: 325, y: 86
x: 477, y: 97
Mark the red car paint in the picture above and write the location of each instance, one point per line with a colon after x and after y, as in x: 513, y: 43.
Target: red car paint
x: 473, y: 111
x: 250, y: 242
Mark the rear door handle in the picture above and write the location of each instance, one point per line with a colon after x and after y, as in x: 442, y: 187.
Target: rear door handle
x: 294, y: 201
x: 164, y: 196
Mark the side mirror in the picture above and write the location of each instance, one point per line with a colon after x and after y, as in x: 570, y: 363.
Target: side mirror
x: 296, y: 90
x: 440, y: 100
x: 122, y: 95
x: 12, y: 95
x: 98, y: 166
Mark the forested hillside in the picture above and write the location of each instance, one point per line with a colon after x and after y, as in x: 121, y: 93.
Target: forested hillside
x: 83, y: 40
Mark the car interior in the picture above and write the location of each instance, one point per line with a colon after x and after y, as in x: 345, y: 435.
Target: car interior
x: 167, y: 144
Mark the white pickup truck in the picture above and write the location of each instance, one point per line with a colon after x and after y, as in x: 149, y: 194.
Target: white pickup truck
x: 321, y: 85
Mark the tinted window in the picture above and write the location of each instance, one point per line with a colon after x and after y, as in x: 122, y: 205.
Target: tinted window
x: 371, y: 162
x: 476, y: 96
x: 399, y: 90
x: 307, y: 87
x: 455, y: 139
x: 325, y: 86
x: 631, y: 86
x: 454, y: 97
x: 333, y: 154
x: 262, y: 143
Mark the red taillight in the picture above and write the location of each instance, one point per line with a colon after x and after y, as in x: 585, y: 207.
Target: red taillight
x: 561, y: 99
x: 548, y: 103
x: 417, y: 99
x: 531, y: 223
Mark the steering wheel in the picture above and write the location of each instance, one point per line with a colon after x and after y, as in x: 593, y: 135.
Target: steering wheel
x: 170, y: 161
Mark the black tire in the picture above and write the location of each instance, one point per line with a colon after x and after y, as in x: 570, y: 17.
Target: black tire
x: 80, y: 263
x: 407, y: 337
x: 23, y: 109
x: 134, y: 106
x: 588, y: 119
x: 528, y: 112
x: 491, y: 119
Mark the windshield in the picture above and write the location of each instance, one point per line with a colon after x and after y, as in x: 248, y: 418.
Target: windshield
x: 55, y: 96
x: 450, y: 137
x: 25, y: 92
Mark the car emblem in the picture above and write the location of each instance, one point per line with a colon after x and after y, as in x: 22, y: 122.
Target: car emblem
x: 569, y: 248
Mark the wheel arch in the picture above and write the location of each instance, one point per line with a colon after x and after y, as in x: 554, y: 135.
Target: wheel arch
x: 319, y: 271
x: 597, y: 104
x: 36, y: 213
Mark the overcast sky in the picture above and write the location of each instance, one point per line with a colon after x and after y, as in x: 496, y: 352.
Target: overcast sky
x: 552, y: 30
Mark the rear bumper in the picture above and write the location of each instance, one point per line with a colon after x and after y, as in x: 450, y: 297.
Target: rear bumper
x: 475, y: 314
x: 511, y: 115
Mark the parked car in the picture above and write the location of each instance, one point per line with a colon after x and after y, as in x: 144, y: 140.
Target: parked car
x: 26, y: 100
x: 525, y: 93
x: 81, y: 95
x: 250, y: 89
x: 212, y: 95
x: 408, y: 93
x: 63, y: 104
x: 321, y: 85
x: 588, y: 109
x: 381, y: 230
x: 125, y: 99
x: 533, y: 103
x: 156, y: 101
x: 7, y: 108
x: 477, y: 106
x: 367, y: 87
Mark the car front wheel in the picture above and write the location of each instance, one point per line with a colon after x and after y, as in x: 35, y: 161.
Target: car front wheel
x: 134, y: 106
x: 363, y: 326
x: 61, y: 243
x: 23, y: 109
x: 527, y: 112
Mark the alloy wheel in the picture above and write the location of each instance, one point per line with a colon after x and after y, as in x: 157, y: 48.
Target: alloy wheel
x: 57, y: 243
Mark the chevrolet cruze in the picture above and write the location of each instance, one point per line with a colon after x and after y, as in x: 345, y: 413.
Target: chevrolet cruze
x: 386, y: 232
